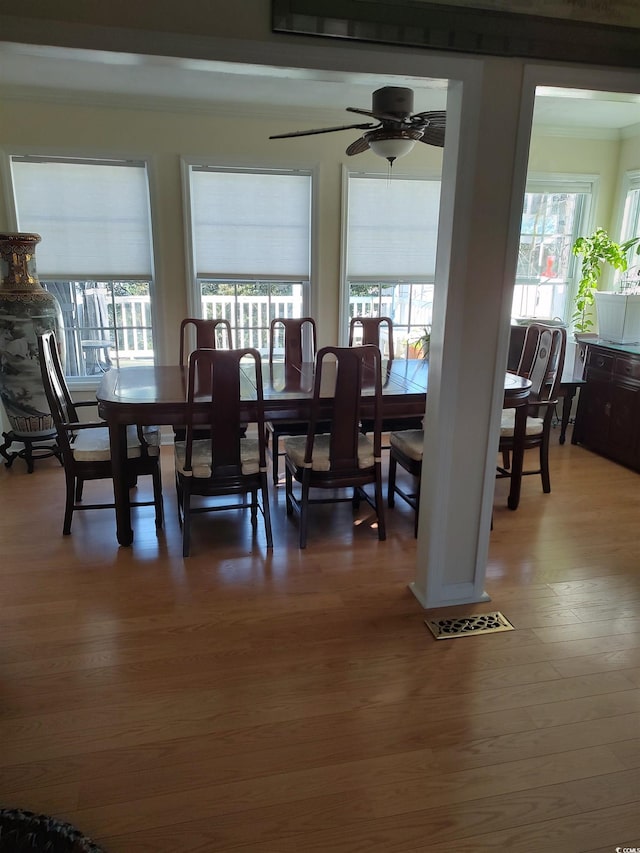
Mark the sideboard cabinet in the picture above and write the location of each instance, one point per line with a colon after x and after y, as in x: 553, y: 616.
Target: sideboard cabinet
x: 608, y: 415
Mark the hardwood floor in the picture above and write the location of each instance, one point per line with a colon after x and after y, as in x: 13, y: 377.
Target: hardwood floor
x: 236, y: 701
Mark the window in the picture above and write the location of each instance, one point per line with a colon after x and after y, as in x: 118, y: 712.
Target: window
x: 251, y: 235
x: 391, y: 235
x: 554, y: 215
x: 631, y: 225
x: 95, y: 254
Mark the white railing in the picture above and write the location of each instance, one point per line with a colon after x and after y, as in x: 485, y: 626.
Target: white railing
x: 133, y: 318
x: 366, y: 306
x: 254, y: 315
x: 133, y: 324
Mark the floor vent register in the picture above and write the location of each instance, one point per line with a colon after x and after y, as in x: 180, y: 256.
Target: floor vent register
x: 468, y: 626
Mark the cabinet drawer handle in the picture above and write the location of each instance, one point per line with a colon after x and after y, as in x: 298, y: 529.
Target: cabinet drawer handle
x: 607, y: 409
x: 627, y: 368
x: 600, y: 361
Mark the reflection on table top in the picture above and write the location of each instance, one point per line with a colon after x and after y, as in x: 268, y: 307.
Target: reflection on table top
x: 148, y: 384
x: 158, y: 394
x: 398, y: 377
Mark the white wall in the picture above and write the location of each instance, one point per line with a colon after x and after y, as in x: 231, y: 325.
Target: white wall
x: 578, y: 155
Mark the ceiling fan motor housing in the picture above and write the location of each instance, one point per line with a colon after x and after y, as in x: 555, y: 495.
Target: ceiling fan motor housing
x: 393, y: 99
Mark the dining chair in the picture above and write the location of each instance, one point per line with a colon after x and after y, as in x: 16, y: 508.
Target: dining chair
x: 84, y: 445
x: 372, y: 330
x: 542, y: 362
x: 225, y: 463
x: 296, y: 338
x: 196, y: 333
x: 379, y: 331
x: 406, y: 449
x: 343, y: 457
x: 529, y: 348
x: 206, y: 334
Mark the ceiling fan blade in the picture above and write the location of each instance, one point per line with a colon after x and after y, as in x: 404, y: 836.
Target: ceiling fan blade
x: 323, y: 130
x: 380, y: 116
x: 433, y: 136
x: 358, y: 146
x: 434, y: 124
x: 435, y: 118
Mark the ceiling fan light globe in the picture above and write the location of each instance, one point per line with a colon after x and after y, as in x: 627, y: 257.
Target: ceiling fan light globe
x: 391, y: 149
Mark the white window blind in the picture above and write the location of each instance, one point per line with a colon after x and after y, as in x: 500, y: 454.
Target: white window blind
x: 559, y: 185
x: 93, y: 217
x: 393, y: 227
x: 251, y: 224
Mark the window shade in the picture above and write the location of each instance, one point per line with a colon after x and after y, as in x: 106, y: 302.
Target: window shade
x: 393, y: 227
x: 553, y: 186
x: 251, y: 224
x: 93, y: 217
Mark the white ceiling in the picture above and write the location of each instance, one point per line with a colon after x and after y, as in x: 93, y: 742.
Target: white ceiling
x: 103, y: 76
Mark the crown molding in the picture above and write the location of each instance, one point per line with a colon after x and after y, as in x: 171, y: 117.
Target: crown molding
x: 607, y: 133
x: 631, y: 131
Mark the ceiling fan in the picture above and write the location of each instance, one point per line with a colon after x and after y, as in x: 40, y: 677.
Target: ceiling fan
x: 396, y: 129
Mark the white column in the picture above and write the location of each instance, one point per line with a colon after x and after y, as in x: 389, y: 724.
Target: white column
x: 484, y: 172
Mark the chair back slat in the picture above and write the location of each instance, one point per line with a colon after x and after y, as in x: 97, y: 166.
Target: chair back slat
x: 205, y: 334
x: 370, y: 330
x: 547, y: 364
x: 56, y: 389
x: 298, y: 337
x: 529, y: 349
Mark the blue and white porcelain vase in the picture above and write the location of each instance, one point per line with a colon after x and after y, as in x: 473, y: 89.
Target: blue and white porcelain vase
x: 26, y: 310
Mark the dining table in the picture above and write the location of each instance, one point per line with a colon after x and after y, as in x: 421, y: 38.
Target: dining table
x: 157, y: 395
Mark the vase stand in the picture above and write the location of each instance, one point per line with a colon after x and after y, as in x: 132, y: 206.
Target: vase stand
x: 41, y: 447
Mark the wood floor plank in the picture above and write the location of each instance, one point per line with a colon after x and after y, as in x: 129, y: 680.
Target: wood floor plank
x: 393, y: 785
x: 267, y: 829
x: 295, y: 701
x: 575, y: 835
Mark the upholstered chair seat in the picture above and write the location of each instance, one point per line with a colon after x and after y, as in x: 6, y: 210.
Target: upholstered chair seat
x: 409, y: 441
x: 295, y: 445
x: 93, y: 445
x: 201, y: 457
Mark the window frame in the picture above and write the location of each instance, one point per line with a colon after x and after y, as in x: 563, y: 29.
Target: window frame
x: 550, y: 183
x: 346, y: 282
x: 630, y: 184
x: 90, y: 382
x: 194, y: 302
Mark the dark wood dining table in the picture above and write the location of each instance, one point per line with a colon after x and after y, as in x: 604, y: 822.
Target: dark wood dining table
x: 157, y: 395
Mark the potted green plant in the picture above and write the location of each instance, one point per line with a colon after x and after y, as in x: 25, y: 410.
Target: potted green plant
x: 423, y: 343
x: 596, y: 249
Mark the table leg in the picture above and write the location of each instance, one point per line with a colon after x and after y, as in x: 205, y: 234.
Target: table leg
x: 517, y: 456
x: 567, y: 401
x: 118, y: 442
